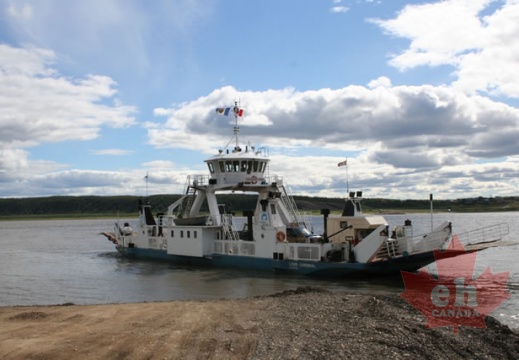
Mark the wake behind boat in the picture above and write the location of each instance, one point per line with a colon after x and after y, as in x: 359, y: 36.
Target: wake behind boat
x: 197, y: 230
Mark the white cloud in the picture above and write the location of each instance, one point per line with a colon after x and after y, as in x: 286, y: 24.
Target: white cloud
x: 402, y: 135
x: 353, y: 117
x: 339, y: 9
x: 26, y: 61
x: 115, y: 152
x: 482, y: 48
x: 39, y: 105
x: 24, y: 11
x: 382, y: 81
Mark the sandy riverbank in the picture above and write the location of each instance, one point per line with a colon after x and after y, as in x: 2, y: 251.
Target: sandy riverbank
x: 301, y: 324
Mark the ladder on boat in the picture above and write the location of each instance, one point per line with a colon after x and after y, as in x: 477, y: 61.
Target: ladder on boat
x: 190, y: 193
x: 290, y: 204
x: 229, y: 233
x: 186, y: 206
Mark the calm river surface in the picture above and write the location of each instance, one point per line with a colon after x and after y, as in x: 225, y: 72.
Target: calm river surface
x: 58, y: 261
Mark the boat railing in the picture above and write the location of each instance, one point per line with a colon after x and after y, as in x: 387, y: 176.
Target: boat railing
x: 389, y: 250
x: 300, y: 251
x: 487, y: 234
x: 232, y: 247
x: 427, y: 242
x: 395, y: 247
x: 274, y: 179
x: 431, y: 241
x: 195, y: 181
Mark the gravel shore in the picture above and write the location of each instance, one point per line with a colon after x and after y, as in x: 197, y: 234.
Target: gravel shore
x: 306, y: 323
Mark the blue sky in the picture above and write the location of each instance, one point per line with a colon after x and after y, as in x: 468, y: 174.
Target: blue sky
x: 420, y: 96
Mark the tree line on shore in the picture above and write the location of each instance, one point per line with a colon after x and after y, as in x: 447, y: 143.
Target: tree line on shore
x: 112, y: 205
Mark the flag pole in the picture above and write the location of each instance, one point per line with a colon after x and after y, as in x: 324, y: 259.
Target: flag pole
x: 431, y: 201
x: 236, y: 111
x: 345, y: 163
x: 146, y: 177
x: 347, y: 180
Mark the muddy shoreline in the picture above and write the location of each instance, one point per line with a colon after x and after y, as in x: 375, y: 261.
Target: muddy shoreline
x: 307, y: 323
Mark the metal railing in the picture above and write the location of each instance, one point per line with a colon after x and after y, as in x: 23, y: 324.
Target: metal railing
x: 487, y: 234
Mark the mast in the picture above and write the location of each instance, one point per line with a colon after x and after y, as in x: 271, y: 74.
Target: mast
x: 236, y: 111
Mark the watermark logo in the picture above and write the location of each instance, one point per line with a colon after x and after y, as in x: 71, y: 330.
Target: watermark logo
x: 455, y: 298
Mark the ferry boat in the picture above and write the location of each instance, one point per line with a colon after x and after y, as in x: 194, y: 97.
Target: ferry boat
x: 197, y: 230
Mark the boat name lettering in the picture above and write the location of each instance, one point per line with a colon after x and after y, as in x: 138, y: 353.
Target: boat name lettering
x: 311, y: 266
x: 300, y: 265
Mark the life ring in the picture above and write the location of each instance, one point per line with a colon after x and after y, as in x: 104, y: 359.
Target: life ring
x: 280, y: 236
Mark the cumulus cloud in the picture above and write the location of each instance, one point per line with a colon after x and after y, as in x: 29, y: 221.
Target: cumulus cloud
x: 94, y: 182
x: 400, y: 133
x: 424, y: 119
x: 476, y: 40
x: 39, y: 105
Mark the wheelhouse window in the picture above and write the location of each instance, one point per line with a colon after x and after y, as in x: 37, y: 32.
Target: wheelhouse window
x: 211, y: 167
x: 232, y: 166
x: 228, y: 166
x: 222, y: 166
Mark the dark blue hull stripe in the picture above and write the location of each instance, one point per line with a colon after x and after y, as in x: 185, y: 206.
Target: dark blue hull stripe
x: 325, y: 269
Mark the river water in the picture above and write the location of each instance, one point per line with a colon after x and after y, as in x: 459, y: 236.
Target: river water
x: 45, y: 262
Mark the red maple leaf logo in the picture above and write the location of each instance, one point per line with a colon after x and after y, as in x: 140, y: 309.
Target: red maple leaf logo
x: 455, y: 298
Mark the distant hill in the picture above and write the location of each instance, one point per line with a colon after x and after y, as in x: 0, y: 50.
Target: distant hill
x: 111, y: 205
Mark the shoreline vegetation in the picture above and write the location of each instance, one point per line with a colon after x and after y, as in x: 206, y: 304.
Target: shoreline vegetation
x: 305, y: 323
x: 73, y: 207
